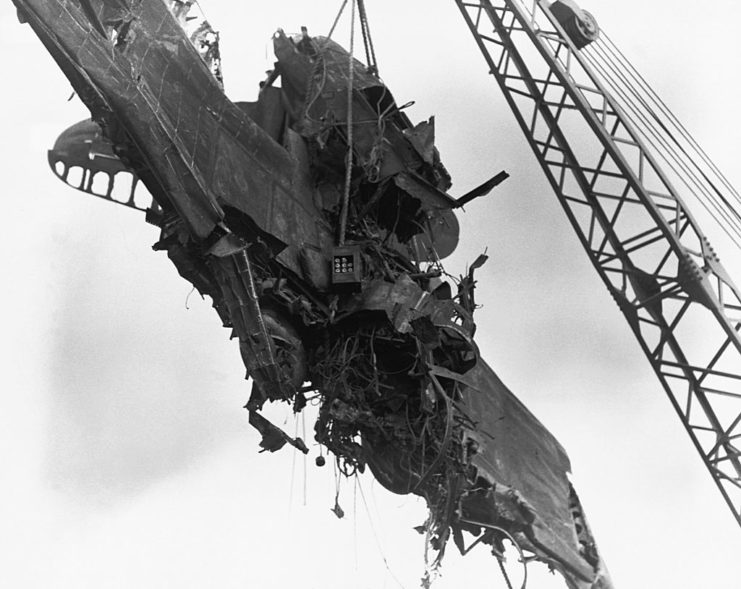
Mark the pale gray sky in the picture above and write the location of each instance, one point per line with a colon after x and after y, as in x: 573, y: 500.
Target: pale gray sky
x: 127, y: 459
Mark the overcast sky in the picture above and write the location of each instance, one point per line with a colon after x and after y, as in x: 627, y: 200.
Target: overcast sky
x: 127, y: 460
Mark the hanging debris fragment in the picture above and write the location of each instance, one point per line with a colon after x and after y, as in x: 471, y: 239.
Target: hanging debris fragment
x: 249, y: 199
x: 190, y: 17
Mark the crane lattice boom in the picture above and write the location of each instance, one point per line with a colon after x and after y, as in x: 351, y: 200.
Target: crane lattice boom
x: 641, y: 238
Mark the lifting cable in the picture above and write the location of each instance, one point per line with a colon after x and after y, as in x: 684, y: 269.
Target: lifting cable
x: 648, y: 123
x: 348, y: 159
x: 663, y: 132
x: 370, y: 52
x: 671, y: 145
x: 665, y: 109
x: 645, y: 120
x: 337, y: 19
x: 370, y: 56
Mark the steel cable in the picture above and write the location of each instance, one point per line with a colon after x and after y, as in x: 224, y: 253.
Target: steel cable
x: 643, y: 115
x: 675, y: 163
x: 349, y: 158
x: 707, y: 184
x: 640, y: 116
x: 669, y: 114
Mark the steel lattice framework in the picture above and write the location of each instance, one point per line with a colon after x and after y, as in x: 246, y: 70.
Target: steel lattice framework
x: 640, y: 236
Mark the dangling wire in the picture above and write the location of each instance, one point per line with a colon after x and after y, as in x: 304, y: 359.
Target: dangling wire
x: 376, y: 537
x: 293, y: 467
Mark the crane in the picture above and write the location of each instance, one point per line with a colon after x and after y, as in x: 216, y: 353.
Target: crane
x: 639, y: 234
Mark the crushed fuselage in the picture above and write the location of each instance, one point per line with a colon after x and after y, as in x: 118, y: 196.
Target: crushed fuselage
x: 330, y: 280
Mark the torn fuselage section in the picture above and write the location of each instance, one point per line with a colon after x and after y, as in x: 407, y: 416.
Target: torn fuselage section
x: 251, y: 199
x: 340, y: 108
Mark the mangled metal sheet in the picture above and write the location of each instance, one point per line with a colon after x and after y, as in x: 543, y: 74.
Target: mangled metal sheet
x: 330, y: 278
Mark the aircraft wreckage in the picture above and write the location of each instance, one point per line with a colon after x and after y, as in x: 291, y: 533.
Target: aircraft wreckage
x: 327, y: 272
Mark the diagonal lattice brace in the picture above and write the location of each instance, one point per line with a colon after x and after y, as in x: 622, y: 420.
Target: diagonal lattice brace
x: 641, y: 238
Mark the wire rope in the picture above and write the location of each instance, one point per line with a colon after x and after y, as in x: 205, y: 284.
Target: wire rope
x: 668, y: 113
x: 337, y: 19
x: 712, y: 169
x: 370, y: 52
x: 640, y: 115
x: 643, y: 124
x: 349, y: 158
x: 705, y: 183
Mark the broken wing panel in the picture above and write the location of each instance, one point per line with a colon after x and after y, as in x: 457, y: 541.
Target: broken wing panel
x: 495, y: 465
x: 517, y: 452
x: 205, y: 152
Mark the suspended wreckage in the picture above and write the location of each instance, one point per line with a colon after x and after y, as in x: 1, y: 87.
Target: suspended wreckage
x: 329, y: 275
